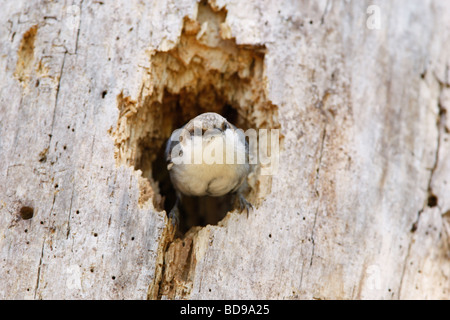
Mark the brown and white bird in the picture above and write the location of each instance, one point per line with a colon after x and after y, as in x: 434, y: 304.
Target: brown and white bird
x: 208, y: 156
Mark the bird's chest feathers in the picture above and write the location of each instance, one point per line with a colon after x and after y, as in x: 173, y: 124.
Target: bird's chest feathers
x: 208, y: 172
x: 207, y: 179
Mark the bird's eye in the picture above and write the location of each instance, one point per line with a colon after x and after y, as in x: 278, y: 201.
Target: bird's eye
x: 180, y: 153
x: 225, y: 126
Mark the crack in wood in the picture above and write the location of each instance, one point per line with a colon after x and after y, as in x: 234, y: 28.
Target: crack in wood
x: 38, y: 278
x: 317, y: 193
x: 70, y: 214
x: 440, y: 128
x: 57, y: 98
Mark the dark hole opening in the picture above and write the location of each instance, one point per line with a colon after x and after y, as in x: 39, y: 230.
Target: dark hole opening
x: 176, y: 110
x: 207, y: 71
x: 432, y: 201
x: 26, y: 212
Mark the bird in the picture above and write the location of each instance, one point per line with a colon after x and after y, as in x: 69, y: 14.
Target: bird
x: 208, y: 156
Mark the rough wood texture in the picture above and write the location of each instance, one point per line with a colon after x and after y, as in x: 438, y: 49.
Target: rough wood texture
x: 359, y: 207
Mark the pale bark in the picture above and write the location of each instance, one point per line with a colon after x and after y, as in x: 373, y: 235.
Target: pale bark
x: 359, y: 208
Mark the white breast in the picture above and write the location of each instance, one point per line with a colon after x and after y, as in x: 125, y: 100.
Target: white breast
x: 205, y: 169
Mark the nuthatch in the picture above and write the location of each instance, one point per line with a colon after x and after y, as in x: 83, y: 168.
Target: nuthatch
x: 208, y: 156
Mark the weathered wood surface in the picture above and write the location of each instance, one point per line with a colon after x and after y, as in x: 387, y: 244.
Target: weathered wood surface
x: 360, y: 207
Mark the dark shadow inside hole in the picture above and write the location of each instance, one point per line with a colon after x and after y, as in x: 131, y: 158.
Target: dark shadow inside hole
x: 175, y: 111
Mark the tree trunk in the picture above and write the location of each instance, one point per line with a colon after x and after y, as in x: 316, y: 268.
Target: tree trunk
x: 359, y: 207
